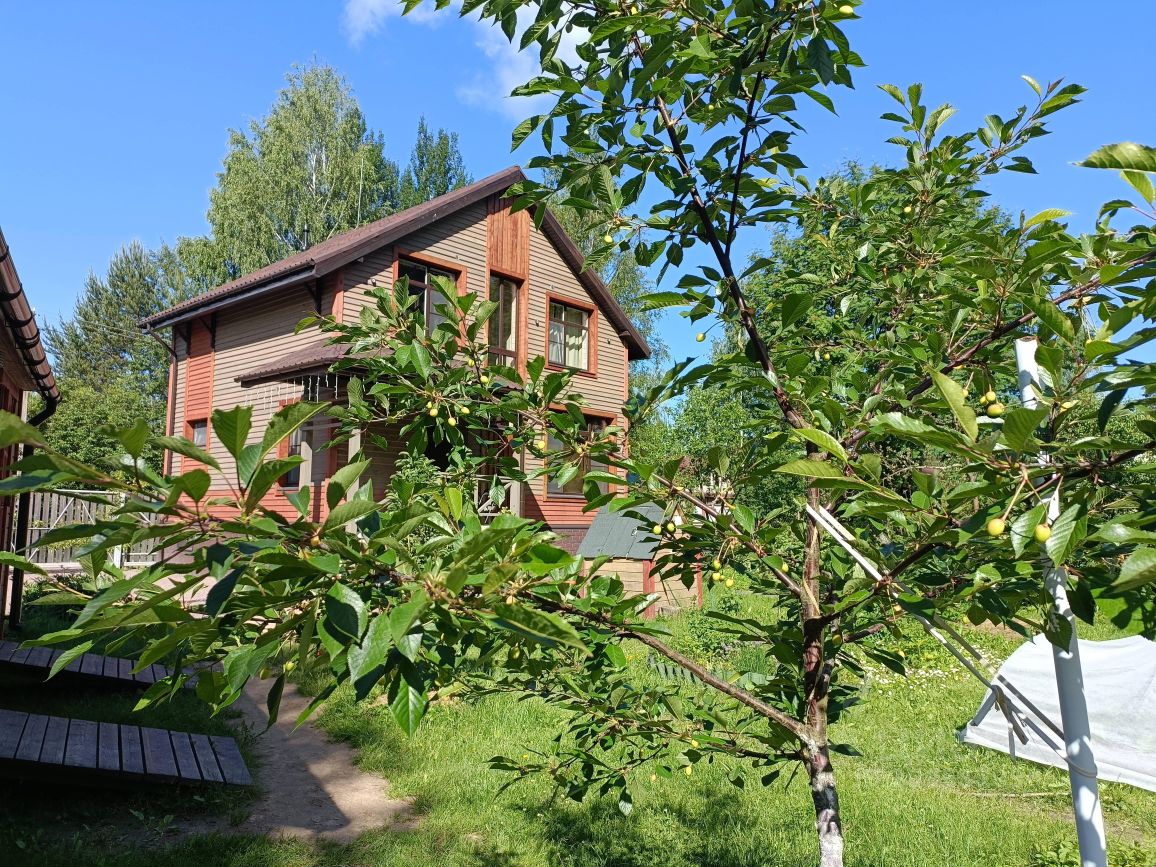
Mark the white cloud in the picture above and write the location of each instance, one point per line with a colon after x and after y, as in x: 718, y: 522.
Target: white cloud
x: 489, y: 83
x: 363, y: 18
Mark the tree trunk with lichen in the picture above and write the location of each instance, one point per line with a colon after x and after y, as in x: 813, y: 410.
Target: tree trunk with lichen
x: 817, y: 681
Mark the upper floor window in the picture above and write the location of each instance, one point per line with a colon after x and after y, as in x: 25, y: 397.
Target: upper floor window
x: 503, y: 322
x: 422, y: 287
x: 569, y: 336
x: 199, y: 432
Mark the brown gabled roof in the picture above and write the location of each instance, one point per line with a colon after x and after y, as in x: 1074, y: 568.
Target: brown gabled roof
x: 34, y: 373
x: 333, y: 253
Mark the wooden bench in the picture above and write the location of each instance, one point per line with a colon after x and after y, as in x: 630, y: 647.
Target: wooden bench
x: 89, y: 664
x: 32, y: 744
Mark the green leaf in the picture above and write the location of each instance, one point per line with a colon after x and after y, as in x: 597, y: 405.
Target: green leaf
x: 344, y: 513
x: 403, y: 617
x: 345, y: 612
x: 1051, y: 316
x: 822, y: 439
x: 810, y: 469
x: 288, y: 419
x: 819, y: 58
x: 407, y: 698
x: 134, y: 438
x: 68, y: 655
x: 1023, y: 527
x: 1020, y: 425
x: 181, y: 446
x: 220, y: 592
x: 7, y: 558
x: 1139, y: 569
x: 1123, y: 155
x: 14, y: 430
x: 419, y: 355
x: 1067, y: 532
x: 544, y: 559
x: 952, y: 392
x: 340, y: 481
x: 1142, y: 184
x: 273, y: 700
x: 1046, y: 215
x: 795, y: 307
x: 367, y: 659
x: 231, y: 427
x: 539, y: 626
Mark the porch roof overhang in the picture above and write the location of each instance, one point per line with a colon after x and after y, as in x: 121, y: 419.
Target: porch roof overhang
x: 316, y: 357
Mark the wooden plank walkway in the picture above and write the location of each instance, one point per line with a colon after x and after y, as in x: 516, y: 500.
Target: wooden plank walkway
x: 34, y: 742
x: 89, y: 664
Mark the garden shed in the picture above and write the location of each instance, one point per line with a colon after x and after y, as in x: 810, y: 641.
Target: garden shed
x: 632, y: 549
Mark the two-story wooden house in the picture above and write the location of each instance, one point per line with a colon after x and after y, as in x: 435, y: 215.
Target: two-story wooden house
x: 237, y: 344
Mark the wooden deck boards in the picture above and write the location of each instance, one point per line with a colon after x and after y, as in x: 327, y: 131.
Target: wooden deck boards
x: 32, y: 741
x: 90, y: 664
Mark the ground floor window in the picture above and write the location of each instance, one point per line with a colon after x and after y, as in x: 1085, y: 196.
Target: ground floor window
x: 573, y: 488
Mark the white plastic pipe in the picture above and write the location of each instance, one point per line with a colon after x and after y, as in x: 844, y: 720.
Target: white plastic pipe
x: 1069, y: 673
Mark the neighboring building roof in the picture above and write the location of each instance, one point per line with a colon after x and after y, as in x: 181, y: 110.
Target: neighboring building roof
x: 319, y: 355
x: 616, y: 534
x: 32, y: 371
x: 333, y: 253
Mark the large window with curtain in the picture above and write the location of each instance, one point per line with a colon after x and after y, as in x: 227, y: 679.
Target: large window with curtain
x: 569, y: 336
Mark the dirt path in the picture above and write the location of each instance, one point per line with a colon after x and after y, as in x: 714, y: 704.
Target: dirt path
x: 310, y: 786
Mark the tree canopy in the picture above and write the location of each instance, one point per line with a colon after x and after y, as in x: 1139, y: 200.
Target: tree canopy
x: 436, y: 167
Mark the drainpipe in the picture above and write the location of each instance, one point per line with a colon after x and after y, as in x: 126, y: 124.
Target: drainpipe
x: 51, y: 402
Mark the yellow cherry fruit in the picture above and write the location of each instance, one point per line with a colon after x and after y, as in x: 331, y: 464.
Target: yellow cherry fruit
x: 826, y: 356
x: 541, y: 444
x: 716, y: 564
x: 907, y: 209
x: 451, y: 421
x: 730, y: 582
x: 694, y: 743
x: 1042, y: 533
x: 688, y: 770
x: 433, y: 412
x: 653, y: 777
x: 996, y: 526
x: 289, y: 666
x: 700, y: 337
x: 484, y: 379
x: 656, y: 529
x: 264, y: 674
x: 897, y: 609
x: 609, y: 239
x: 429, y: 404
x: 1067, y: 404
x: 463, y: 410
x: 670, y: 526
x: 716, y: 576
x: 995, y: 410
x: 837, y: 639
x: 846, y: 10
x: 989, y: 397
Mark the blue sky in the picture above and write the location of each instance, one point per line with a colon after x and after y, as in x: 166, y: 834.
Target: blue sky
x: 114, y: 116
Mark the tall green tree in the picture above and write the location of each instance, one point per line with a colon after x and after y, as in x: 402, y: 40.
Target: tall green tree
x: 311, y: 164
x: 106, y: 365
x: 436, y: 166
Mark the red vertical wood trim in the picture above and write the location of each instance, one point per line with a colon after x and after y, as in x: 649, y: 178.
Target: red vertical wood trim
x: 199, y: 363
x: 170, y: 410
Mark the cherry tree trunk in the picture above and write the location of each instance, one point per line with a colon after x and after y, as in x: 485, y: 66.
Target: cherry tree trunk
x: 825, y: 797
x: 817, y: 681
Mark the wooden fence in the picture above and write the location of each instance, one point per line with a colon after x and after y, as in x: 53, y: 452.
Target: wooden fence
x: 50, y: 509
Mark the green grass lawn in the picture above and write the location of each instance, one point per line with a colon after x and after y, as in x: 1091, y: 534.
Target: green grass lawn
x: 914, y: 796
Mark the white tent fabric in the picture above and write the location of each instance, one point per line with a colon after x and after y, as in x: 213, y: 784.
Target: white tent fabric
x: 1120, y: 686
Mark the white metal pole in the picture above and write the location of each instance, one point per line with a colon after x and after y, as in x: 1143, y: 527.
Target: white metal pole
x: 1069, y: 673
